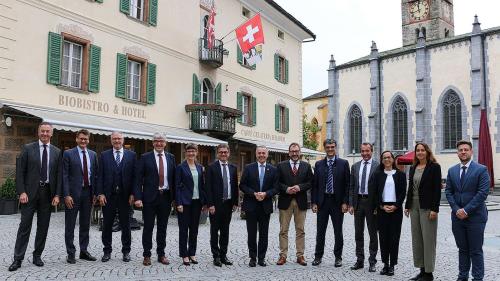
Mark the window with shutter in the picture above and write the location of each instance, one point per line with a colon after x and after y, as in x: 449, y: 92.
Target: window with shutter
x: 280, y: 69
x: 54, y: 59
x: 242, y: 60
x: 135, y: 79
x: 143, y: 10
x: 196, y: 89
x: 218, y: 90
x: 94, y: 68
x: 151, y: 90
x: 239, y: 105
x: 254, y: 111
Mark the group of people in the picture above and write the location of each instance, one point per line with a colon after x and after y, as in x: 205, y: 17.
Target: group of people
x: 373, y: 191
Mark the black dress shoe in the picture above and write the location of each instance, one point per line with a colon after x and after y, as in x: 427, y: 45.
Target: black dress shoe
x: 106, y: 257
x: 252, y: 263
x: 316, y: 261
x: 390, y: 271
x: 87, y: 256
x: 338, y: 262
x: 126, y: 257
x: 193, y: 261
x: 372, y: 268
x: 71, y: 259
x: 262, y: 263
x: 38, y: 261
x: 16, y: 264
x: 427, y: 277
x: 357, y: 265
x: 461, y: 279
x: 384, y: 270
x: 226, y: 261
x: 418, y: 276
x: 217, y: 262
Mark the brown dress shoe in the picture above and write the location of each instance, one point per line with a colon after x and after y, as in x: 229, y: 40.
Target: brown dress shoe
x: 281, y: 260
x: 302, y: 261
x: 163, y: 260
x: 147, y: 261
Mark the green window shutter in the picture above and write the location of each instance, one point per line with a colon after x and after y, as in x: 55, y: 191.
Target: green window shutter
x: 286, y: 72
x: 94, y: 68
x: 276, y: 67
x: 121, y: 76
x: 287, y: 120
x: 153, y: 12
x: 239, y: 54
x: 196, y: 89
x: 54, y: 55
x: 239, y: 105
x: 254, y: 111
x: 99, y: 1
x: 125, y: 6
x: 218, y: 90
x: 277, y: 117
x: 151, y: 84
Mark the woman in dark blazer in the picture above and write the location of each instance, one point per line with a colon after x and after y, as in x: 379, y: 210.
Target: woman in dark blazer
x: 387, y: 188
x: 191, y: 199
x: 422, y: 205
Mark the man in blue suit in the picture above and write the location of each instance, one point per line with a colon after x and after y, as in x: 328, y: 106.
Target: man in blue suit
x: 114, y: 187
x: 259, y: 183
x: 154, y: 191
x: 79, y: 171
x: 467, y: 187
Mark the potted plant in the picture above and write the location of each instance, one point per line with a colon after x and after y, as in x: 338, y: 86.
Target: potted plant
x: 8, y: 197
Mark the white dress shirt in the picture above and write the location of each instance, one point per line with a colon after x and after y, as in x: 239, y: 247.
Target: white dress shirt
x: 360, y: 175
x: 88, y: 162
x: 228, y: 177
x: 389, y: 193
x: 296, y: 165
x: 258, y: 167
x: 40, y: 144
x: 164, y: 158
x: 121, y: 154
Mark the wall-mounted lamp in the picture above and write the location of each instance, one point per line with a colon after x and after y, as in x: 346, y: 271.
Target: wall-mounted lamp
x: 8, y: 121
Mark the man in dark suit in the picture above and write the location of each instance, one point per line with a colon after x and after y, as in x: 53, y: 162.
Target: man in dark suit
x: 154, y: 191
x: 295, y: 178
x: 467, y: 187
x: 38, y: 183
x: 79, y: 181
x: 359, y: 205
x: 259, y: 183
x: 114, y: 186
x: 222, y: 191
x: 330, y: 196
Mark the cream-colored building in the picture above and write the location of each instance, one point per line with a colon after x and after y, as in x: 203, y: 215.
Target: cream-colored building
x: 316, y: 112
x: 141, y: 66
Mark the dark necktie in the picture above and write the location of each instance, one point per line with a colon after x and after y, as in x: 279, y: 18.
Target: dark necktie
x: 161, y: 171
x: 261, y: 176
x: 85, y: 170
x: 294, y: 169
x: 363, y: 179
x: 462, y: 178
x: 225, y: 182
x: 117, y: 158
x: 329, y: 182
x: 43, y: 169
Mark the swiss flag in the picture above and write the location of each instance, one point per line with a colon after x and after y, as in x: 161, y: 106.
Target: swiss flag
x: 211, y: 28
x: 250, y: 34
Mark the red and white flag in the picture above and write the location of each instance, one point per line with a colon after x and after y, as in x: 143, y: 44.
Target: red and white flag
x: 250, y: 34
x: 211, y: 28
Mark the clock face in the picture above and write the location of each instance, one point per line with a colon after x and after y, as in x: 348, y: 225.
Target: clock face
x: 419, y: 10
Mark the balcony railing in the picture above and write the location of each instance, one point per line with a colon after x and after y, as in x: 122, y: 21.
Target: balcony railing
x: 212, y: 56
x: 215, y: 119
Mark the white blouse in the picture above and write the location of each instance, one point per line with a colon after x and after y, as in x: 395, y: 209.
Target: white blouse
x: 389, y: 194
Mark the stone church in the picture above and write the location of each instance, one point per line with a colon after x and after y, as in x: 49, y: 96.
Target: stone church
x: 431, y: 89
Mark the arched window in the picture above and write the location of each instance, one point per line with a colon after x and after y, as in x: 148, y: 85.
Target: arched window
x: 355, y: 124
x: 399, y: 124
x: 452, y: 120
x: 207, y: 94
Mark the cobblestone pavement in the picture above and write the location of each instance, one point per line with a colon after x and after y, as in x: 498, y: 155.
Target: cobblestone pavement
x: 56, y: 267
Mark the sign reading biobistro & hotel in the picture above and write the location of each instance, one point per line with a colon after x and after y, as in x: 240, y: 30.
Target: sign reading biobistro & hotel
x: 97, y: 106
x: 262, y: 135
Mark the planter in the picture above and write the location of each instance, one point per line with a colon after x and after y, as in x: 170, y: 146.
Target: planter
x: 8, y: 206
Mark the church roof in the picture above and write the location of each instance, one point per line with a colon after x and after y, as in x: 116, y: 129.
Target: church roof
x: 319, y: 95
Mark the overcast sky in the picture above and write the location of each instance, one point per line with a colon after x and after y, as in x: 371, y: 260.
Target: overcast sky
x: 345, y: 28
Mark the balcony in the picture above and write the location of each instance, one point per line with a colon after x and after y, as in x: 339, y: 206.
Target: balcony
x: 217, y: 120
x: 211, y: 56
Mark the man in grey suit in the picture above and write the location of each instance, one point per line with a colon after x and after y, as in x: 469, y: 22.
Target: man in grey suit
x: 359, y: 205
x: 38, y: 183
x: 79, y: 178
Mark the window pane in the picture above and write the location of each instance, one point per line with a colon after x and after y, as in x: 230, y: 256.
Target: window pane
x: 400, y: 124
x: 356, y: 129
x: 452, y: 120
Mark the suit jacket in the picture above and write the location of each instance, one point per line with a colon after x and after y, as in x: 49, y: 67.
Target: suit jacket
x: 341, y: 178
x: 429, y: 191
x: 72, y: 172
x: 214, y: 184
x: 471, y: 195
x: 376, y: 186
x: 28, y: 167
x: 107, y: 165
x: 250, y: 183
x: 354, y: 181
x: 147, y: 178
x: 184, y: 184
x: 286, y: 178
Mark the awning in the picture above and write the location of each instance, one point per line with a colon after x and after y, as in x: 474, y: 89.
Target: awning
x: 281, y: 148
x: 73, y: 121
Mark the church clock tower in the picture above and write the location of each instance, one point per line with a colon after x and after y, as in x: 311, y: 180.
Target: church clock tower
x: 434, y: 18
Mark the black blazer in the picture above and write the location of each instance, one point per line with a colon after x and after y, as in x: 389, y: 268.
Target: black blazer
x: 286, y: 178
x: 28, y: 167
x: 72, y: 173
x: 354, y: 181
x: 341, y: 179
x: 107, y: 165
x: 376, y: 188
x: 147, y: 179
x: 250, y: 183
x: 184, y: 184
x: 429, y: 191
x: 214, y: 184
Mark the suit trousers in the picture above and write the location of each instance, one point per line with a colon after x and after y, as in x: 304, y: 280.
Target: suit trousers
x: 361, y: 213
x: 333, y: 210
x: 299, y: 217
x: 81, y: 208
x: 257, y: 220
x: 159, y: 209
x: 469, y: 237
x: 120, y: 202
x: 189, y: 221
x: 219, y: 229
x: 423, y: 237
x: 389, y: 227
x: 40, y: 204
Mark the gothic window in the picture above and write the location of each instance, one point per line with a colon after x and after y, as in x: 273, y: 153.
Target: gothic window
x: 355, y: 124
x: 452, y: 120
x: 399, y: 124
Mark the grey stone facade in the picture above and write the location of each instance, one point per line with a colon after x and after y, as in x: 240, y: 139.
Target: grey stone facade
x: 376, y: 101
x: 423, y: 114
x: 332, y: 122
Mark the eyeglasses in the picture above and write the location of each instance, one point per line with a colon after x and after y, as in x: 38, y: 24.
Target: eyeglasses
x: 386, y: 158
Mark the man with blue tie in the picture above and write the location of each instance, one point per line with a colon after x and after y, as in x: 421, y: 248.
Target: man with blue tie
x: 467, y: 187
x: 259, y: 183
x: 114, y: 186
x: 154, y: 192
x: 79, y: 178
